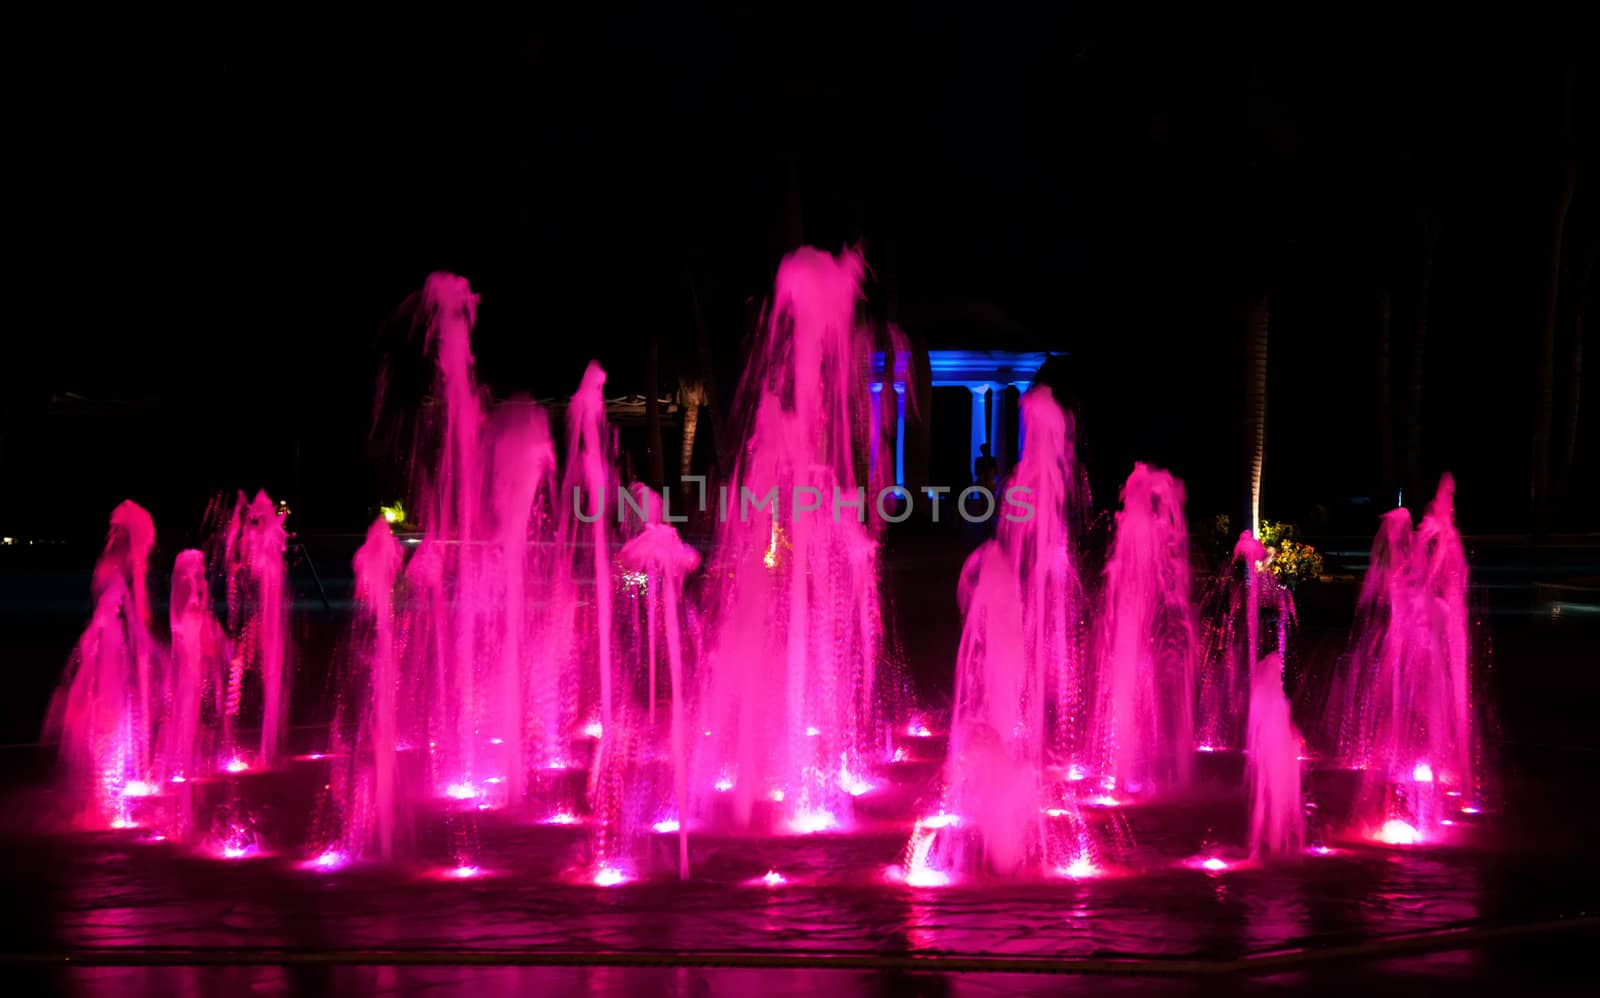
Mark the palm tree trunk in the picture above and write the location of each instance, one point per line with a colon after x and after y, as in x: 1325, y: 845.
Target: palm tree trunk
x: 1419, y: 343
x: 1386, y: 469
x: 691, y: 423
x: 1544, y: 383
x: 1256, y: 404
x: 1575, y: 374
x: 652, y: 413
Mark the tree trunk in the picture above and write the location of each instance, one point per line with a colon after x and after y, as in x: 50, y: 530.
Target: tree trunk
x: 1386, y: 469
x: 691, y: 422
x: 1544, y: 379
x: 1419, y: 343
x: 1575, y: 375
x: 1256, y: 405
x: 708, y: 378
x: 652, y: 414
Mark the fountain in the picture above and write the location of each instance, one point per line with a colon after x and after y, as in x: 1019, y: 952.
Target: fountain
x: 790, y: 673
x: 1013, y: 730
x: 539, y: 662
x: 1273, y: 747
x: 1402, y: 708
x: 1143, y: 729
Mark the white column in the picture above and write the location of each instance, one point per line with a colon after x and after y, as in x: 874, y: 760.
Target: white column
x: 997, y: 424
x: 900, y: 434
x: 980, y: 423
x: 1022, y: 422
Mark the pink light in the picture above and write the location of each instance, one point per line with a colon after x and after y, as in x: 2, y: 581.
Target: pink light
x: 497, y: 741
x: 609, y: 876
x: 1469, y: 809
x: 561, y: 818
x: 900, y: 755
x: 940, y: 820
x: 1079, y: 869
x: 139, y: 788
x: 774, y: 879
x: 724, y: 785
x: 461, y: 791
x: 811, y: 822
x: 1055, y: 812
x: 918, y: 730
x: 777, y: 796
x: 928, y: 877
x: 238, y: 849
x: 120, y: 822
x: 1075, y: 773
x: 1422, y: 773
x: 851, y: 784
x: 179, y: 779
x: 1320, y: 851
x: 1104, y: 800
x: 593, y: 729
x: 329, y: 861
x: 666, y: 827
x: 813, y: 732
x: 236, y: 765
x: 1214, y: 865
x: 1206, y: 748
x: 463, y: 872
x: 1398, y: 833
x: 496, y: 780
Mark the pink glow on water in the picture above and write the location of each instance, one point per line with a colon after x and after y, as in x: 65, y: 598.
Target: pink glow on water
x: 141, y: 788
x: 1205, y: 748
x: 1214, y: 865
x: 772, y: 878
x: 812, y: 822
x: 925, y: 877
x: 562, y: 818
x: 1081, y: 868
x: 724, y: 785
x: 667, y: 827
x: 594, y: 729
x: 610, y: 876
x: 918, y: 730
x: 777, y: 796
x: 179, y: 778
x: 1396, y: 832
x: 461, y: 791
x: 1105, y: 800
x: 329, y: 861
x: 1075, y: 773
x: 1422, y: 773
x: 497, y: 741
x: 1469, y: 809
x: 463, y: 872
x: 236, y: 765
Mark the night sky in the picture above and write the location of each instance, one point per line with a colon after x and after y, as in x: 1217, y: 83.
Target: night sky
x: 210, y: 226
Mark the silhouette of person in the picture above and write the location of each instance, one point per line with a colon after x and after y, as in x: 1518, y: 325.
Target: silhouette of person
x: 985, y: 470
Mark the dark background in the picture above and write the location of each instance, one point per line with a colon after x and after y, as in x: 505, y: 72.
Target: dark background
x: 210, y: 224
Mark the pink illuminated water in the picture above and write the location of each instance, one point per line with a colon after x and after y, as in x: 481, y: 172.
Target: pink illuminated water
x: 1018, y: 681
x: 1273, y: 747
x: 1402, y: 712
x: 1143, y: 729
x: 258, y: 616
x: 542, y: 652
x: 793, y: 611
